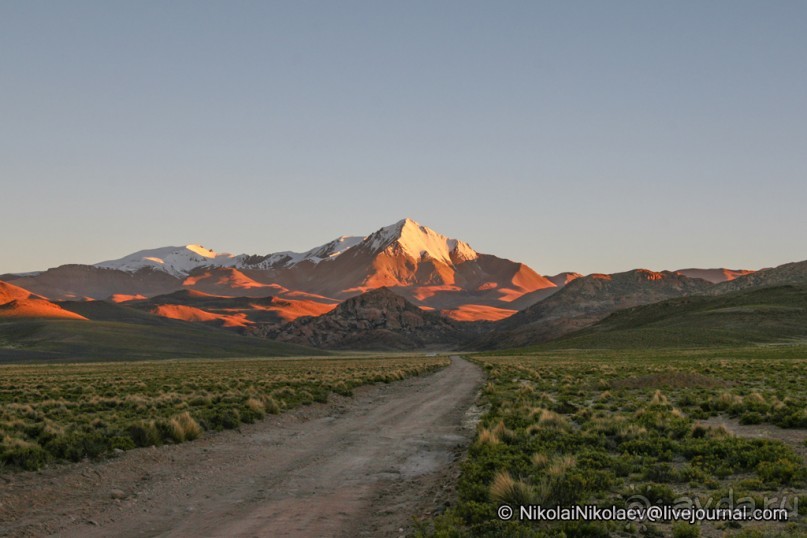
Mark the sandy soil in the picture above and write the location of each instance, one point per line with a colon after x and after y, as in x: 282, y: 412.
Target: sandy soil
x: 361, y: 466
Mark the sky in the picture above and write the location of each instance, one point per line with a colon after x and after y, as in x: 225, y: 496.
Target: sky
x: 582, y: 136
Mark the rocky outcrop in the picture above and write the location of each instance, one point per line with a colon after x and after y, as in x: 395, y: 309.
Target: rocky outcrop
x: 378, y: 319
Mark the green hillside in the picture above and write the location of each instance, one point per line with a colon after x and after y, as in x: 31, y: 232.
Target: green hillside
x: 769, y: 315
x: 148, y: 337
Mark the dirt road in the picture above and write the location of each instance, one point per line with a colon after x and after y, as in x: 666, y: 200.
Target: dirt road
x: 360, y: 466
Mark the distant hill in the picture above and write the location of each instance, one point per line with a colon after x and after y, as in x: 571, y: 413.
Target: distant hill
x: 715, y: 276
x: 585, y: 301
x: 789, y: 273
x: 116, y: 332
x: 231, y: 312
x: 765, y: 315
x: 18, y: 303
x: 79, y: 282
x: 378, y: 319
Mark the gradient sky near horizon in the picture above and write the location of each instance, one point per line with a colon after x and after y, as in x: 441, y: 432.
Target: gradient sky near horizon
x: 580, y: 136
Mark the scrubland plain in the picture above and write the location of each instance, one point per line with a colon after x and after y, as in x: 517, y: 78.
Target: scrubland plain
x: 68, y: 412
x: 662, y: 427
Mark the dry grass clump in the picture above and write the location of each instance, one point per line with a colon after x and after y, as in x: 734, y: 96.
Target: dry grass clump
x: 189, y: 427
x: 487, y: 437
x: 256, y: 406
x: 545, y: 396
x: 559, y: 465
x: 603, y: 384
x: 630, y: 431
x: 540, y: 460
x: 506, y: 489
x: 548, y: 420
x: 710, y: 432
x: 755, y: 398
x: 777, y: 404
x: 727, y: 400
x: 270, y: 405
x: 496, y: 435
x: 659, y: 398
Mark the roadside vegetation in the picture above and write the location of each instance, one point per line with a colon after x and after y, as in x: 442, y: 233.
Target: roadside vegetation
x: 609, y: 428
x: 68, y: 412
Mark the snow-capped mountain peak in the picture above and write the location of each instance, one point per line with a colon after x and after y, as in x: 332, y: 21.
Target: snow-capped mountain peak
x: 177, y: 261
x: 419, y: 242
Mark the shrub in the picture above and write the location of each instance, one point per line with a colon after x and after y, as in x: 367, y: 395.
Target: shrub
x: 144, y: 433
x: 751, y: 417
x: 22, y: 454
x: 121, y: 442
x: 659, y: 494
x: 224, y: 419
x: 685, y: 530
x: 660, y: 472
x: 781, y: 471
x: 271, y: 405
x: 170, y: 430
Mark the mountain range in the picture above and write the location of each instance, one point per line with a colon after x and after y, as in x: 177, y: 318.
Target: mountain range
x: 429, y: 269
x: 400, y: 287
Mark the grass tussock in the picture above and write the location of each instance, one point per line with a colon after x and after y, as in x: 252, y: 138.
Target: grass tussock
x: 498, y: 434
x: 547, y: 419
x: 659, y: 399
x: 505, y: 489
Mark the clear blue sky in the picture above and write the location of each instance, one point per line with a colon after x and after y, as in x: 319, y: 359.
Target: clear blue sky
x: 584, y: 136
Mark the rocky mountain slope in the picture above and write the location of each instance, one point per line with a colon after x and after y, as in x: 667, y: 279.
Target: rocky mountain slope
x: 585, y: 301
x: 745, y: 317
x: 789, y: 273
x: 377, y: 319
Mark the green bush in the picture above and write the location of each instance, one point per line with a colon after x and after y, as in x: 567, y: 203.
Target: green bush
x: 751, y: 417
x: 145, y: 434
x: 22, y: 454
x: 685, y: 530
x: 782, y: 472
x: 222, y: 419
